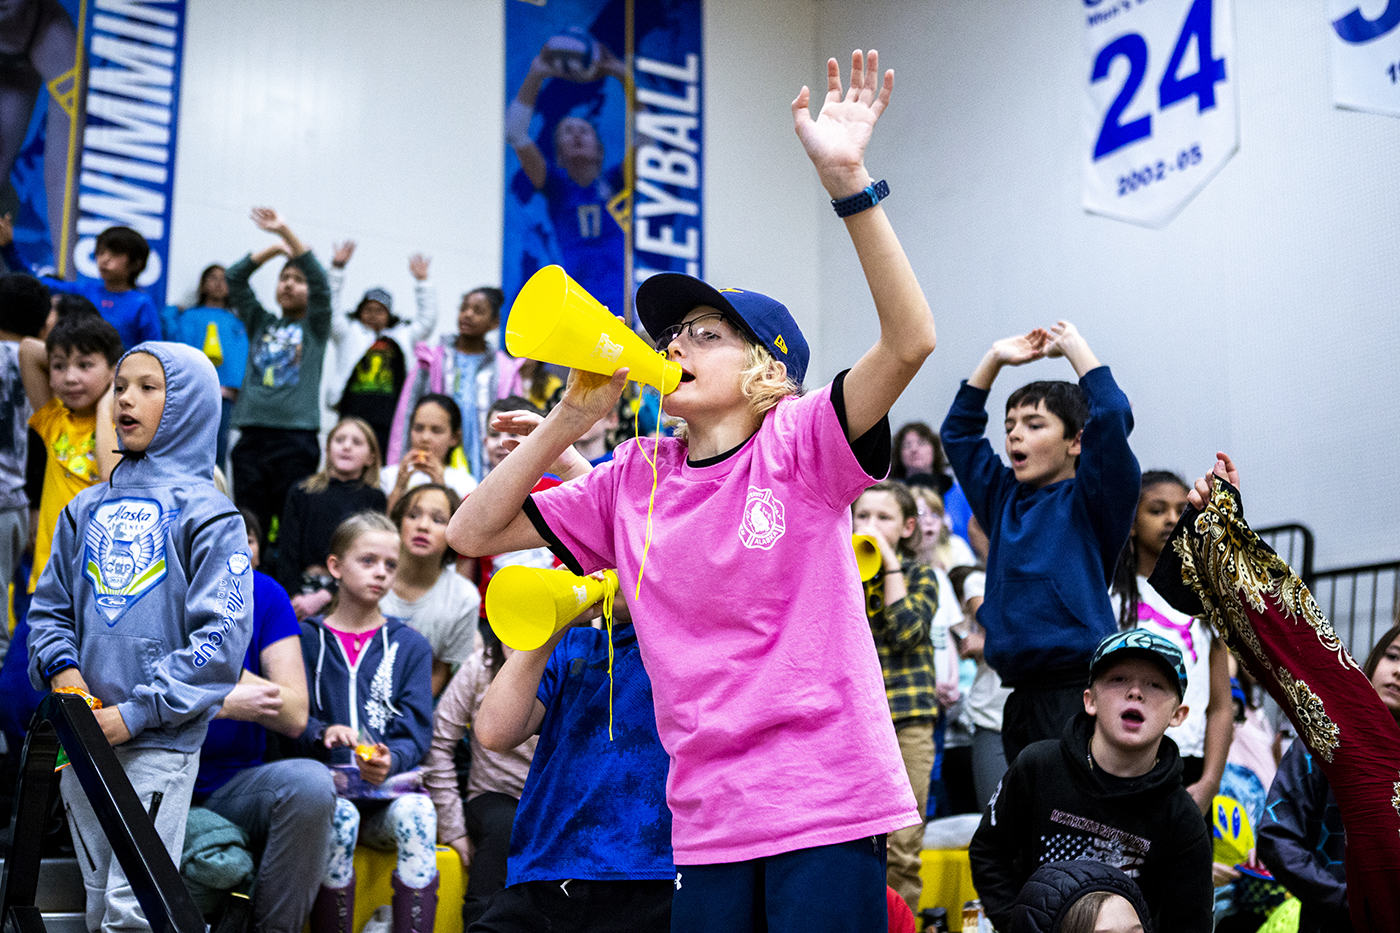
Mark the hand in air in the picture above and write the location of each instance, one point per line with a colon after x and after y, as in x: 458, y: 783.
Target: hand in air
x: 418, y: 266
x: 341, y: 253
x: 7, y: 230
x: 1015, y: 351
x: 268, y: 219
x: 1225, y: 469
x: 835, y: 141
x: 1061, y: 335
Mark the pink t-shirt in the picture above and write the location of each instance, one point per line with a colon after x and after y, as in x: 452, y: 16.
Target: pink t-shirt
x: 751, y: 623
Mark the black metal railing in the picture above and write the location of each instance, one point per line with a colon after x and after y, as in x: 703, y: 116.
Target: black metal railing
x: 1359, y: 601
x: 1294, y: 543
x: 154, y: 879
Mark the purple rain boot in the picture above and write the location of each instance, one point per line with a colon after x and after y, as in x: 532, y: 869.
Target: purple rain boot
x: 334, y: 909
x: 415, y: 909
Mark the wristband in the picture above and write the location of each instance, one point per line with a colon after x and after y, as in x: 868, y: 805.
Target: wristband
x: 62, y: 664
x: 886, y: 573
x: 862, y: 200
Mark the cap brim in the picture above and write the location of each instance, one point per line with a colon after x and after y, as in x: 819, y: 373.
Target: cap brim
x: 1146, y: 654
x: 666, y: 298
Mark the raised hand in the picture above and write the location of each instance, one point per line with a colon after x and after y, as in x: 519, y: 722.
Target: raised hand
x: 1225, y: 469
x: 835, y: 141
x: 7, y: 230
x: 418, y: 266
x: 1015, y: 351
x: 341, y: 253
x: 1061, y: 336
x: 268, y: 219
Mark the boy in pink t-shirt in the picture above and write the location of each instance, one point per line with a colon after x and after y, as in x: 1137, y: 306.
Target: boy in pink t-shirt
x: 785, y: 773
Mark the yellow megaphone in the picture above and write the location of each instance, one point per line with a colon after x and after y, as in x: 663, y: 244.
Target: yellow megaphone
x: 213, y: 347
x: 555, y: 320
x: 526, y: 605
x: 868, y: 557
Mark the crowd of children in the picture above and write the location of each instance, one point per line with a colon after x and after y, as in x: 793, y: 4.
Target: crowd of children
x: 749, y: 739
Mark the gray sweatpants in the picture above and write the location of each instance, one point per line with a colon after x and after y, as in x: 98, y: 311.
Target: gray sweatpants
x: 286, y: 809
x: 111, y: 904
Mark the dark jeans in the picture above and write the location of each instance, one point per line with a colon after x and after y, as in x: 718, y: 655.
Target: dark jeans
x: 489, y: 819
x: 266, y: 463
x: 838, y: 888
x: 579, y: 907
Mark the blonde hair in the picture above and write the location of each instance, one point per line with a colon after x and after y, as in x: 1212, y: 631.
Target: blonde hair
x: 321, y: 481
x: 350, y: 531
x: 763, y: 381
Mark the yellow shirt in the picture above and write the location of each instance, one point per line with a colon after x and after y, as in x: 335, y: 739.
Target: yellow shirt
x: 71, y: 442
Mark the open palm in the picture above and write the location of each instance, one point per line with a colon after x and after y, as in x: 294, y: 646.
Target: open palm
x: 835, y: 141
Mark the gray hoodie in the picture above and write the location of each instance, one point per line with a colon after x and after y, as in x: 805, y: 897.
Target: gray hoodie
x: 150, y: 587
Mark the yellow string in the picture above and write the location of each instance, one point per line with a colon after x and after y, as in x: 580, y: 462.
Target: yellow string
x: 610, y: 586
x: 651, y: 504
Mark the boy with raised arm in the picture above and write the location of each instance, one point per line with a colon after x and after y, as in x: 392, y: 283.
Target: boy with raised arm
x: 1057, y: 519
x: 278, y: 413
x: 770, y: 702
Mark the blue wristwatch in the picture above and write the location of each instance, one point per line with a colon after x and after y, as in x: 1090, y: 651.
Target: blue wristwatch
x: 862, y: 200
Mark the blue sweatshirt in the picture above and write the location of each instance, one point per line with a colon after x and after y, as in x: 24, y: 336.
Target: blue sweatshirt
x: 388, y: 691
x: 133, y: 312
x: 1053, y: 549
x: 150, y: 587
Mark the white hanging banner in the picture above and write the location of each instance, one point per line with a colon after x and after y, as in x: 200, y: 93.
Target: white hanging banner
x: 1160, y: 109
x: 1366, y: 54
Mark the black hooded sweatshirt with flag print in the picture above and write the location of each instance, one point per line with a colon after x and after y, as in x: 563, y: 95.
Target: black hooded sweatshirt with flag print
x: 1054, y: 805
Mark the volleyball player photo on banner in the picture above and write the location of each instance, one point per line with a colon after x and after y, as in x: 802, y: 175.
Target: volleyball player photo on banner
x: 590, y: 139
x: 1365, y: 50
x: 1160, y: 106
x: 89, y: 102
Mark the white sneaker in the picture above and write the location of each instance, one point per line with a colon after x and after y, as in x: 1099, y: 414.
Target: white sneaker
x: 381, y: 921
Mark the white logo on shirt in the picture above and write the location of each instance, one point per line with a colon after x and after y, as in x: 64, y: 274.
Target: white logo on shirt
x: 762, y: 524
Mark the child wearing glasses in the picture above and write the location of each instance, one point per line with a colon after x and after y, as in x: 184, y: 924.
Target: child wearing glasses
x: 784, y: 768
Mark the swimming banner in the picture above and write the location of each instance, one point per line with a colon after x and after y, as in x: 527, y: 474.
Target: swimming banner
x: 1365, y: 47
x: 89, y: 100
x: 1160, y: 104
x: 604, y: 143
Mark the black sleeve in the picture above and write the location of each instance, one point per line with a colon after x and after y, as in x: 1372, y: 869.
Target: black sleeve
x: 34, y: 469
x: 291, y: 557
x: 556, y: 546
x: 995, y: 852
x: 872, y: 449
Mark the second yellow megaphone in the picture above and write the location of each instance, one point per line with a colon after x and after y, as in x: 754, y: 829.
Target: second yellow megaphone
x: 868, y: 558
x: 526, y: 605
x: 555, y: 320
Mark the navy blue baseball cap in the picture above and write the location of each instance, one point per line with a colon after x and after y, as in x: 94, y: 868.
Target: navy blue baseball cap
x: 667, y: 297
x: 1140, y: 643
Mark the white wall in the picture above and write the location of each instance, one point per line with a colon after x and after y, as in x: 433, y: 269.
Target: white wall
x: 1260, y: 321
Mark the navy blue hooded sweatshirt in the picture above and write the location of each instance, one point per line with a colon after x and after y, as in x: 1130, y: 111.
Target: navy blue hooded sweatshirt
x: 150, y: 588
x: 1052, y: 549
x: 388, y: 691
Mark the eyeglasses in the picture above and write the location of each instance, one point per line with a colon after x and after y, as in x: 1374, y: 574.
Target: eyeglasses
x: 702, y: 332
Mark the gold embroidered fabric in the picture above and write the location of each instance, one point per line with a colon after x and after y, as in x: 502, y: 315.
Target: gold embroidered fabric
x: 1230, y: 570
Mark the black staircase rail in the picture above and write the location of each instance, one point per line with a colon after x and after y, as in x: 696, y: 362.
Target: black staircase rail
x: 1294, y: 543
x: 154, y: 878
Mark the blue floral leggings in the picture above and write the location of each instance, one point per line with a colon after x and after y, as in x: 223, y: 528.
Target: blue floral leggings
x: 408, y: 824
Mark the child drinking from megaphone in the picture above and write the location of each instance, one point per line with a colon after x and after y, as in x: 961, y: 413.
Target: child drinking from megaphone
x: 784, y: 768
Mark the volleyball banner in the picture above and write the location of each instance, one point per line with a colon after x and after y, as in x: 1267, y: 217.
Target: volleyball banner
x: 91, y: 92
x: 604, y: 143
x: 1160, y: 108
x: 1365, y: 50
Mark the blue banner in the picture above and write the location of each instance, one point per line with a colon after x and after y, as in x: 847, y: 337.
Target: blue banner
x: 96, y: 83
x: 604, y: 143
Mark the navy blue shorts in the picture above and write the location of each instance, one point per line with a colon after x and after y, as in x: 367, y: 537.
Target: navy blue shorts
x: 838, y: 888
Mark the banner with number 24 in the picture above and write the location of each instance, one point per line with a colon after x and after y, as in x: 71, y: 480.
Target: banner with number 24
x: 1161, y: 110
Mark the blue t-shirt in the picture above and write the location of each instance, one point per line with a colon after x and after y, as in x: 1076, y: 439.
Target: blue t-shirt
x: 191, y: 327
x: 232, y: 746
x: 594, y: 809
x: 132, y: 313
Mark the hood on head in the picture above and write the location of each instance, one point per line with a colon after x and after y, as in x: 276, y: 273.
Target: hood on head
x: 1055, y: 887
x: 184, y: 442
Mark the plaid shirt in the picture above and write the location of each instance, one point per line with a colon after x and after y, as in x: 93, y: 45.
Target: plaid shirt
x: 903, y: 638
